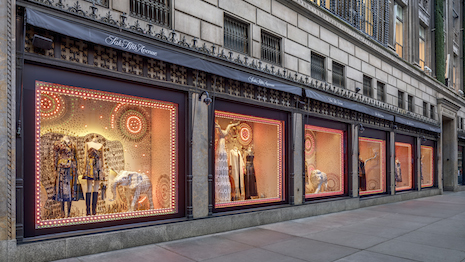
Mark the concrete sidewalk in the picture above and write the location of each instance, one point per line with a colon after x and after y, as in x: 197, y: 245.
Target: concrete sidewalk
x: 427, y: 229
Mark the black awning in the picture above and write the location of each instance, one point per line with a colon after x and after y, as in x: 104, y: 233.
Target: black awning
x: 65, y: 27
x: 347, y: 104
x: 417, y: 124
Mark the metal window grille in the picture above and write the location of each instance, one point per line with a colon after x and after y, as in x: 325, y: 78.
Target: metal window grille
x: 367, y: 89
x: 318, y: 67
x: 431, y: 112
x: 271, y: 49
x: 103, y: 3
x: 236, y: 35
x: 338, y: 75
x: 425, y: 109
x: 155, y: 11
x: 400, y: 99
x: 381, y: 92
x: 369, y: 16
x: 410, y: 103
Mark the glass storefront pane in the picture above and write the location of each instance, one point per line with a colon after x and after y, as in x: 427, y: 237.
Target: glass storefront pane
x: 324, y: 161
x: 103, y: 156
x: 372, y: 166
x: 249, y: 153
x: 403, y: 169
x: 427, y: 166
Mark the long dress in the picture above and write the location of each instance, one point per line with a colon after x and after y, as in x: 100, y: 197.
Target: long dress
x: 250, y: 180
x: 65, y: 164
x: 362, y: 179
x: 222, y: 184
x: 237, y: 163
x: 93, y: 168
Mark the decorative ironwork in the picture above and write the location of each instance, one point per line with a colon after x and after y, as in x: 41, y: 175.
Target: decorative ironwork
x: 271, y: 49
x: 105, y: 57
x: 76, y: 8
x: 154, y: 11
x: 74, y: 50
x: 103, y: 3
x: 200, y: 79
x: 132, y: 64
x: 179, y: 74
x: 236, y: 35
x: 156, y: 69
x: 108, y: 19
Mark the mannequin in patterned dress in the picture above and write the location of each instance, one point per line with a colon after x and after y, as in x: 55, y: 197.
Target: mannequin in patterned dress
x: 65, y: 165
x: 93, y: 173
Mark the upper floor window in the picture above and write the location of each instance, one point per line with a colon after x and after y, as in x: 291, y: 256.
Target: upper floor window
x: 431, y: 112
x: 367, y: 89
x: 236, y: 35
x: 410, y: 103
x: 425, y: 109
x: 318, y: 67
x: 399, y: 30
x: 400, y: 99
x: 154, y: 11
x: 422, y: 51
x: 381, y: 94
x: 338, y: 75
x: 271, y: 48
x: 103, y: 3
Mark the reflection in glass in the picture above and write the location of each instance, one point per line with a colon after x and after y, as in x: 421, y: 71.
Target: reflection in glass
x: 372, y: 166
x: 248, y: 160
x: 102, y: 156
x: 324, y: 161
x: 427, y: 166
x: 403, y: 170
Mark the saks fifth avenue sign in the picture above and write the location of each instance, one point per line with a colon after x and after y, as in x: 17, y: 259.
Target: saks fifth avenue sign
x: 129, y: 45
x: 259, y: 81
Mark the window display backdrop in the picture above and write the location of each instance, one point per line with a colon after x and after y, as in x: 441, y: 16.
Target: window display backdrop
x: 249, y: 153
x: 403, y: 168
x: 371, y: 166
x: 102, y: 156
x: 324, y: 161
x: 427, y: 166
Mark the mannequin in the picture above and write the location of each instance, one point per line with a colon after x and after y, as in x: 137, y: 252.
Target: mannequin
x: 237, y: 163
x: 250, y: 179
x: 93, y: 173
x: 362, y: 179
x: 66, y: 166
x: 398, y: 171
x: 222, y: 184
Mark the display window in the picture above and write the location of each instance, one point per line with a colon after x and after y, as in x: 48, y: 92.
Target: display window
x: 102, y: 156
x: 427, y: 166
x: 403, y: 168
x: 460, y: 165
x: 249, y: 154
x: 371, y: 166
x: 324, y: 161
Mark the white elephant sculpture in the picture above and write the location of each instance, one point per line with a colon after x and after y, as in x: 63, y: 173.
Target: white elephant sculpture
x: 136, y: 183
x: 318, y: 179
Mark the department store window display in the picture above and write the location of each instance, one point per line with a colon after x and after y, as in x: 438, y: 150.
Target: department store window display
x: 324, y: 161
x: 248, y: 160
x: 427, y: 166
x: 102, y: 156
x: 371, y: 166
x: 403, y: 169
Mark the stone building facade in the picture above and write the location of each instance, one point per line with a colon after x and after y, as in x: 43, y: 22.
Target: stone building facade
x: 322, y: 106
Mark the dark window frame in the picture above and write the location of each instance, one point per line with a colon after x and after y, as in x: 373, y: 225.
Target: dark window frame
x: 381, y: 92
x: 236, y: 35
x: 270, y: 48
x: 318, y: 71
x: 400, y: 99
x: 157, y: 12
x: 367, y: 86
x: 410, y: 103
x: 338, y: 75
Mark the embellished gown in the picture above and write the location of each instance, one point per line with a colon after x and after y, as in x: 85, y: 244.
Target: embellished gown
x: 222, y: 184
x: 250, y: 179
x: 65, y: 164
x: 93, y: 165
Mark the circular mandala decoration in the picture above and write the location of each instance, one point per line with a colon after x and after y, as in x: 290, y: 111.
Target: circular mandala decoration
x: 309, y: 144
x: 245, y: 134
x: 333, y: 182
x: 52, y: 106
x: 372, y: 184
x: 163, y: 191
x: 133, y: 124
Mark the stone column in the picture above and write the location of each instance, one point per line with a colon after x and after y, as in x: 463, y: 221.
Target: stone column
x: 7, y: 127
x: 391, y: 162
x: 298, y: 160
x: 354, y: 153
x: 199, y: 158
x: 418, y: 163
